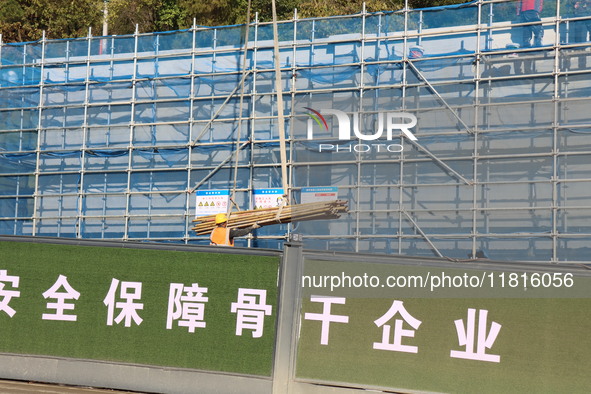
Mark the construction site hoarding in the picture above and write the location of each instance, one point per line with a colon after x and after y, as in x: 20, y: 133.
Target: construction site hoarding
x: 444, y: 327
x: 178, y: 309
x: 180, y: 318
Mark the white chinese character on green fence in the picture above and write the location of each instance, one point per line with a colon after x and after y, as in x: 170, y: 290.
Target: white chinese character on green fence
x: 60, y: 305
x: 466, y: 337
x: 325, y: 317
x: 399, y: 332
x: 130, y: 292
x: 251, y: 309
x: 7, y: 295
x: 187, y: 305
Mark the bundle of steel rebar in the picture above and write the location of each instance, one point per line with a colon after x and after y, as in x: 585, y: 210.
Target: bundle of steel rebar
x: 269, y: 216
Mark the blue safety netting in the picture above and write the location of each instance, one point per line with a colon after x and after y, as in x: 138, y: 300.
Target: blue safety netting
x: 108, y: 137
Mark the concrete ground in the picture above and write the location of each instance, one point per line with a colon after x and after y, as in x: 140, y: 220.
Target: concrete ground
x: 21, y: 387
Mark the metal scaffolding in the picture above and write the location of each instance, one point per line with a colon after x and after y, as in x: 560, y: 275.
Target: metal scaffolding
x: 109, y: 137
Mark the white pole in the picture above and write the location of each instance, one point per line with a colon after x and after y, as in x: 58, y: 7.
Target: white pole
x: 105, y: 18
x: 280, y: 115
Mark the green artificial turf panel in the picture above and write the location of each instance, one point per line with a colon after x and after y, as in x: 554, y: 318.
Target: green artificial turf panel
x: 543, y: 343
x: 544, y: 346
x: 90, y: 270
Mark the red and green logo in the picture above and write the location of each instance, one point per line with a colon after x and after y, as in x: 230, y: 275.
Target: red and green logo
x: 318, y: 118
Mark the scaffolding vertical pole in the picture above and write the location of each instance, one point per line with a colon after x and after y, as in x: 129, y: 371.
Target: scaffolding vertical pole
x: 60, y: 209
x: 555, y: 138
x: 475, y: 183
x: 280, y: 115
x: 403, y: 98
x: 311, y: 48
x: 375, y: 92
x: 486, y: 122
x: 20, y: 148
x: 150, y: 190
x: 85, y: 131
x: 360, y: 110
x: 252, y: 116
x: 112, y: 68
x: 22, y: 123
x: 63, y: 140
x: 108, y: 136
x: 188, y: 192
x: 417, y: 107
x: 293, y: 109
x: 253, y: 95
x: 153, y: 128
x: 36, y: 198
x: 212, y: 112
x: 20, y: 144
x: 18, y: 182
x: 131, y: 131
x: 489, y: 38
x: 420, y: 29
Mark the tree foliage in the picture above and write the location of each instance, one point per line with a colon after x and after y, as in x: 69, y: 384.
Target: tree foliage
x: 25, y: 20
x: 148, y: 15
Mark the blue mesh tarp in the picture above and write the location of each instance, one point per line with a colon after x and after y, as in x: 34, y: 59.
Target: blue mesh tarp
x: 107, y: 137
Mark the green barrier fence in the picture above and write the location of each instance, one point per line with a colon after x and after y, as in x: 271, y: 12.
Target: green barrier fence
x: 322, y: 323
x: 518, y: 331
x: 205, y: 311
